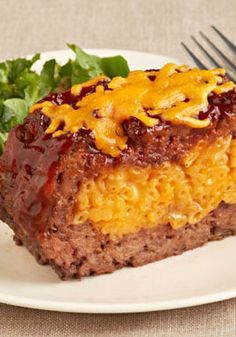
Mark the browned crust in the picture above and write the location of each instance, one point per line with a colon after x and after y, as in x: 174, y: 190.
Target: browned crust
x: 81, y: 250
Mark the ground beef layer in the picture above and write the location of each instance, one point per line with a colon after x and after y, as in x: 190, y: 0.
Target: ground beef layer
x: 79, y: 251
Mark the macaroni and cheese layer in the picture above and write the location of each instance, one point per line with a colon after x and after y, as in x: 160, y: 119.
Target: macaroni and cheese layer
x: 123, y: 172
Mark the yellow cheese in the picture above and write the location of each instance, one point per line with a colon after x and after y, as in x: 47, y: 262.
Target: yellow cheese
x: 177, y: 94
x: 126, y: 199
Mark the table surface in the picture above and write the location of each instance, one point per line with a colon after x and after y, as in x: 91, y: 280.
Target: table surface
x: 155, y: 26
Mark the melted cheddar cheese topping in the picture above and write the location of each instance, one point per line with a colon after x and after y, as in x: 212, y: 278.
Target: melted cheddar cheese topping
x: 176, y: 93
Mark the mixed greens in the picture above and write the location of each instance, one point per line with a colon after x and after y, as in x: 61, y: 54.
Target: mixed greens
x: 21, y: 86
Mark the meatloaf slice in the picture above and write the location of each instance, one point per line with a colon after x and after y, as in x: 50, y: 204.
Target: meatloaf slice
x: 123, y: 172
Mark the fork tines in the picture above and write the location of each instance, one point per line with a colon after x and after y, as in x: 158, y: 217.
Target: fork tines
x: 224, y: 62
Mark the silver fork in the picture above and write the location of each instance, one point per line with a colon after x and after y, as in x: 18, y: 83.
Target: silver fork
x: 224, y: 61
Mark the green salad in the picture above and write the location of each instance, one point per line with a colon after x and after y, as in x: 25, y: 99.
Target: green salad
x: 21, y: 86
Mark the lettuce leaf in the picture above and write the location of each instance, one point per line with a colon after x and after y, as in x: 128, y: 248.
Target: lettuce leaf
x: 20, y: 86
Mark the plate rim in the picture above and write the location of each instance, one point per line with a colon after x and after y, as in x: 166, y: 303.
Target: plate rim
x: 122, y: 308
x: 106, y: 50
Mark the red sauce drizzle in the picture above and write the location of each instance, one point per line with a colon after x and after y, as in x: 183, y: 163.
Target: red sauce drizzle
x: 31, y: 157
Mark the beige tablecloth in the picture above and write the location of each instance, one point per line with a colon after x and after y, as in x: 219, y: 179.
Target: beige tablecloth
x: 156, y: 26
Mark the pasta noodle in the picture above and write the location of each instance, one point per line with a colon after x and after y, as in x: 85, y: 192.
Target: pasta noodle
x: 130, y: 198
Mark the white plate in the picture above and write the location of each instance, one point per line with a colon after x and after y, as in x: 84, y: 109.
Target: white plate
x: 201, y: 276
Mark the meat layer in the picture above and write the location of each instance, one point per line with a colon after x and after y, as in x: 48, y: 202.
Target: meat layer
x: 79, y: 251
